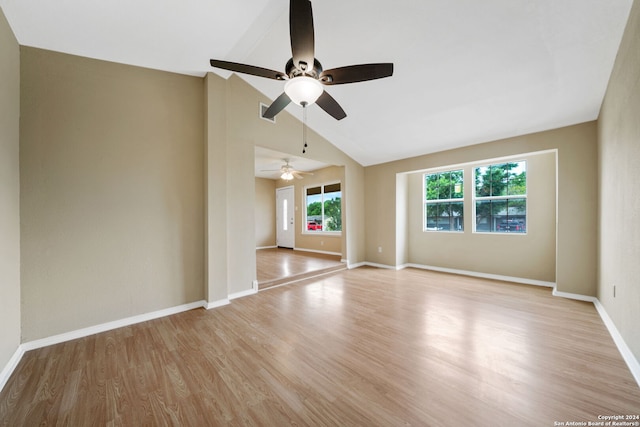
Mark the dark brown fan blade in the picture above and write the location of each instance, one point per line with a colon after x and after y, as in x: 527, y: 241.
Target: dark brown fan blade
x: 248, y: 69
x: 278, y: 105
x: 331, y: 106
x: 356, y: 73
x: 301, y: 33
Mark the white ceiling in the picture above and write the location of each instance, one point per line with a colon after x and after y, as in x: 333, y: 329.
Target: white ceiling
x: 466, y: 71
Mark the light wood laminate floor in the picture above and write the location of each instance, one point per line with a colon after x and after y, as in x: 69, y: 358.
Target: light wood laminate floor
x: 362, y: 347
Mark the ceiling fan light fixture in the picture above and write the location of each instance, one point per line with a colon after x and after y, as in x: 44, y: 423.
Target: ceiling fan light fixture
x: 287, y: 176
x: 303, y: 90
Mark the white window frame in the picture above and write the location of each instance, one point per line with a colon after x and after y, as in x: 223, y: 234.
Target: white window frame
x: 426, y: 202
x: 304, y: 198
x: 475, y: 198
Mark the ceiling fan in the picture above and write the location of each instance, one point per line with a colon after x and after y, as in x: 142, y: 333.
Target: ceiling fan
x: 304, y: 73
x: 288, y: 172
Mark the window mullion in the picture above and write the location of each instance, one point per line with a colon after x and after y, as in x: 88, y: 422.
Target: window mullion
x: 519, y: 196
x: 444, y: 201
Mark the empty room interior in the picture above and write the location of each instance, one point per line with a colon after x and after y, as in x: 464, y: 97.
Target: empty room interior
x: 463, y: 190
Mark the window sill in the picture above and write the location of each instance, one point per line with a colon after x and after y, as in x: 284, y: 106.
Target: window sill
x: 323, y: 233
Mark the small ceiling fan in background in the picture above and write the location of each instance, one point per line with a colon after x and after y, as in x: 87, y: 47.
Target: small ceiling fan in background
x: 288, y: 171
x: 304, y: 73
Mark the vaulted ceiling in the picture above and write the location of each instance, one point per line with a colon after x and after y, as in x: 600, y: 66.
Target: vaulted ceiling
x: 466, y: 71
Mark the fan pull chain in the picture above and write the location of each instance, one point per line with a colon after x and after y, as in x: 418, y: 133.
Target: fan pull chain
x: 304, y: 127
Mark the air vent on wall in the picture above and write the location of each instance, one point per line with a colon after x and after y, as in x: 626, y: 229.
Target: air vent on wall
x: 263, y: 108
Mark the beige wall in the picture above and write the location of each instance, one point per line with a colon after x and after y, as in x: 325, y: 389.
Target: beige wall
x: 111, y: 168
x: 314, y: 241
x: 9, y: 194
x: 576, y: 238
x: 527, y: 256
x: 619, y: 190
x: 265, y: 212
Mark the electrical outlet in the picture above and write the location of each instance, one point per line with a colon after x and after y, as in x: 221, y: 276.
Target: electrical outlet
x: 379, y: 249
x: 321, y: 242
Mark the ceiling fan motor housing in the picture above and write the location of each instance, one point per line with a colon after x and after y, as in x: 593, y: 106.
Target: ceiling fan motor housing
x: 293, y: 71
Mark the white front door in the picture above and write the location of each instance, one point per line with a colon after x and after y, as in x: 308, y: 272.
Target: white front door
x: 285, y: 231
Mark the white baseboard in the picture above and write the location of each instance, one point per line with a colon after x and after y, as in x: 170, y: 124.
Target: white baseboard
x: 11, y: 366
x: 385, y: 266
x: 318, y: 252
x: 461, y: 272
x: 84, y: 332
x: 216, y: 304
x: 520, y: 280
x: 568, y: 295
x: 243, y: 294
x: 356, y: 265
x: 303, y: 250
x: 625, y: 351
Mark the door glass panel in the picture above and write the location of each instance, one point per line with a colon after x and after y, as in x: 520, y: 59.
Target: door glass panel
x: 285, y: 216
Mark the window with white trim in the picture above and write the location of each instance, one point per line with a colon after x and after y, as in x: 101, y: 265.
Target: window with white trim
x: 444, y: 201
x: 323, y: 213
x: 500, y: 200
